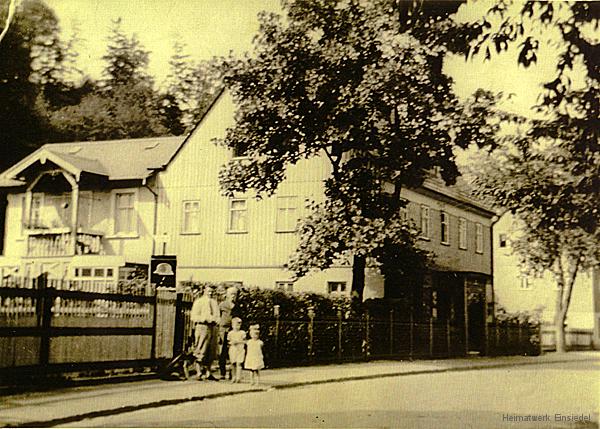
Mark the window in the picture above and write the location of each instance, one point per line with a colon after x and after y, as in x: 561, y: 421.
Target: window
x: 94, y: 272
x: 125, y: 219
x: 502, y: 240
x: 462, y: 233
x: 23, y: 215
x: 525, y: 284
x: 237, y: 216
x: 286, y: 286
x: 191, y: 217
x: 424, y: 222
x: 479, y: 238
x: 86, y: 208
x: 336, y: 287
x: 35, y: 214
x: 287, y: 214
x: 444, y: 227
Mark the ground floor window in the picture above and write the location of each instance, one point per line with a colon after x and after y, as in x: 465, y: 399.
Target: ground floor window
x: 336, y: 287
x: 286, y: 286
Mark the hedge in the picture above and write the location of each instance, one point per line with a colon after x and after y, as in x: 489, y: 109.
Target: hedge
x: 288, y: 341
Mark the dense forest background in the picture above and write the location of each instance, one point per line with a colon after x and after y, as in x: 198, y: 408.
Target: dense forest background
x: 45, y: 98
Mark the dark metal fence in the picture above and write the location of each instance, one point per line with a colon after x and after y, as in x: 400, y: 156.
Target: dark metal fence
x: 513, y: 338
x: 289, y: 342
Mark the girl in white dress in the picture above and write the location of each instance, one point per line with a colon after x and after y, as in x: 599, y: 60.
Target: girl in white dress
x: 254, y: 355
x: 236, y: 338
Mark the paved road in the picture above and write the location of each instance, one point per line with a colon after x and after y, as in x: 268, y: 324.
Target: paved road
x: 473, y: 399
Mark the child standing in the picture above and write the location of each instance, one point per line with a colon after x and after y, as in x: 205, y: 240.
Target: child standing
x: 254, y: 356
x: 236, y: 339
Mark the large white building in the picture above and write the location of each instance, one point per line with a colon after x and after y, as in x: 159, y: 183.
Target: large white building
x: 93, y: 210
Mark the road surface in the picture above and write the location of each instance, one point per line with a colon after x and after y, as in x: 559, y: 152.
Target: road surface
x: 491, y: 398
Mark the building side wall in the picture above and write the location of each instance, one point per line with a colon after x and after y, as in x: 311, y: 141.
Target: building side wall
x: 450, y: 256
x: 540, y: 295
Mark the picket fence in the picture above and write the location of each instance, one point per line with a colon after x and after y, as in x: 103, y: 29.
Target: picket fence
x: 61, y: 326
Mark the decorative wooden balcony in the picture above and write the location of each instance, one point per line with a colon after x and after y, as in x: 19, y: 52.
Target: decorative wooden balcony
x: 58, y: 242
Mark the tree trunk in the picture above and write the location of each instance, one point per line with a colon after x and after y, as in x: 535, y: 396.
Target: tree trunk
x: 565, y: 274
x: 560, y: 314
x: 358, y: 277
x: 561, y: 345
x: 9, y: 17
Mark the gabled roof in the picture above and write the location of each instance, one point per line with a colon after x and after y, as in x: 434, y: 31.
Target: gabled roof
x: 115, y: 159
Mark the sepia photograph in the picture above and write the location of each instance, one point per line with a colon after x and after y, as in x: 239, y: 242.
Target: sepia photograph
x: 300, y: 214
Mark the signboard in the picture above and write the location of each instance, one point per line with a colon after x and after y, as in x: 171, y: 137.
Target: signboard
x: 163, y: 270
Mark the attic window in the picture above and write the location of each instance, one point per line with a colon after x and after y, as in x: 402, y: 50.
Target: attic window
x: 74, y: 150
x: 151, y: 145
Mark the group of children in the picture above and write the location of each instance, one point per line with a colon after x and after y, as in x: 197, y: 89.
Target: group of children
x: 245, y: 353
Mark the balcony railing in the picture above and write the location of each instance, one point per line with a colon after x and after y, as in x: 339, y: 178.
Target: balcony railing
x: 58, y: 242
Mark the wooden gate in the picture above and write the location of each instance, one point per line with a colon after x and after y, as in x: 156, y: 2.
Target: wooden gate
x: 62, y: 326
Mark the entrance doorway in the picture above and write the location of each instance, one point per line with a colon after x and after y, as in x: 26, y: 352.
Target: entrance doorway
x: 476, y: 306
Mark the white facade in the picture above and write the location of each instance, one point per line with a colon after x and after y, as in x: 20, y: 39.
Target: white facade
x: 517, y: 291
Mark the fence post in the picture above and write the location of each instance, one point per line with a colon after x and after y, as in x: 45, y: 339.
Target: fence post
x: 496, y: 337
x: 539, y: 332
x: 486, y: 334
x: 430, y: 336
x: 339, y: 315
x: 154, y: 324
x: 179, y: 330
x: 448, y: 337
x: 311, y: 320
x: 367, y: 336
x: 392, y: 331
x: 276, y: 309
x: 44, y: 308
x: 411, y: 335
x: 519, y: 337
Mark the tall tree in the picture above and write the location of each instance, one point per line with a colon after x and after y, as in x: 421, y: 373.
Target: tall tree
x: 124, y: 104
x: 190, y: 85
x: 347, y: 80
x: 30, y: 55
x: 556, y: 158
x: 126, y: 60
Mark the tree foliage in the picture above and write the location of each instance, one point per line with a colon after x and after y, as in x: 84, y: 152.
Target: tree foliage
x: 349, y: 81
x: 548, y: 173
x: 122, y: 105
x: 191, y: 86
x: 30, y: 57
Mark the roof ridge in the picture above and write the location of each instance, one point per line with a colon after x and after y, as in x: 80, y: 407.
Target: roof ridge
x: 72, y: 155
x: 46, y: 145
